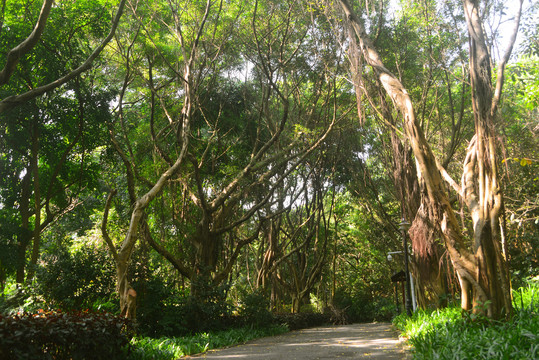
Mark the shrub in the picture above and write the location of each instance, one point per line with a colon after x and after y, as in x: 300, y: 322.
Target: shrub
x: 173, y: 348
x: 162, y: 312
x: 209, y: 310
x: 302, y: 320
x: 254, y: 309
x: 57, y: 335
x: 364, y: 309
x: 76, y: 280
x: 447, y: 334
x: 160, y: 309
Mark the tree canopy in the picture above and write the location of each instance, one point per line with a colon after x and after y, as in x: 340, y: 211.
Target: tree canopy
x: 213, y: 150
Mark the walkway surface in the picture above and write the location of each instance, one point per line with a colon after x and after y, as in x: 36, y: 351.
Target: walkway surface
x: 358, y: 341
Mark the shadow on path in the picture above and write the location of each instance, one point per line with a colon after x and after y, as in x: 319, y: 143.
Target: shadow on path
x: 358, y: 341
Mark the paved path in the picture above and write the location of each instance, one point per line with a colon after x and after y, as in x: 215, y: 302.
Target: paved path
x: 358, y: 341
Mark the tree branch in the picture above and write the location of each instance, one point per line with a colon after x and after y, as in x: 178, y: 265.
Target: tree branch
x: 16, y: 100
x: 501, y: 66
x: 28, y: 44
x: 104, y: 231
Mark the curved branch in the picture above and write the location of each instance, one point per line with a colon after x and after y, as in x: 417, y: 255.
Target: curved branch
x: 104, y: 230
x: 503, y: 62
x: 28, y: 44
x: 16, y: 100
x: 164, y: 252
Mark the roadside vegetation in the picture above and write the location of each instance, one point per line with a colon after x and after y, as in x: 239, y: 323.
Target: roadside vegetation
x: 32, y: 324
x: 169, y: 348
x: 451, y: 334
x: 179, y: 175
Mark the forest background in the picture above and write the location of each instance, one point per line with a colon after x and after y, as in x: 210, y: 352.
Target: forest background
x: 179, y: 161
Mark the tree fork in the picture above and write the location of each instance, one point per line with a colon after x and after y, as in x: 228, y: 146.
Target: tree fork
x: 461, y: 258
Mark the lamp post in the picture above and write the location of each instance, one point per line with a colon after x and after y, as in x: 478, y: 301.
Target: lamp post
x: 404, y: 226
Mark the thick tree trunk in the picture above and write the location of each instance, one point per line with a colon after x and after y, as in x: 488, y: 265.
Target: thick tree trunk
x: 36, y: 235
x: 431, y: 277
x: 483, y: 192
x: 299, y: 299
x: 206, y: 255
x: 127, y: 294
x: 270, y: 255
x: 483, y: 270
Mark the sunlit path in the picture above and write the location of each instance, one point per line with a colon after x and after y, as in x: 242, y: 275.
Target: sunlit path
x: 359, y: 341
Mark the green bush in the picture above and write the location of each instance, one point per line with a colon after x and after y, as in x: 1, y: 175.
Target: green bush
x: 80, y: 280
x: 447, y: 334
x: 57, y: 335
x: 364, y: 309
x: 162, y: 312
x: 302, y: 320
x: 172, y: 348
x: 254, y: 309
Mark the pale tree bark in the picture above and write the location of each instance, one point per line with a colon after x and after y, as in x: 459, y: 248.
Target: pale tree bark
x: 483, y: 269
x: 480, y: 180
x: 123, y: 255
x: 440, y: 209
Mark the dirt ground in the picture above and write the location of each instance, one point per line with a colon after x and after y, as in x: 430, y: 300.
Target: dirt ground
x: 358, y: 341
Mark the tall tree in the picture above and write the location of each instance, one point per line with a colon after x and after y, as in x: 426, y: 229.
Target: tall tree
x: 242, y: 141
x: 485, y: 274
x: 182, y: 125
x: 46, y: 143
x: 481, y: 180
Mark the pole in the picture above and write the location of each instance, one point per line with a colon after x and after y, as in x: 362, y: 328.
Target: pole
x: 404, y: 226
x: 414, y: 296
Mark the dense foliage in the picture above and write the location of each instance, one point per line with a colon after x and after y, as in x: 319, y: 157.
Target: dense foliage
x: 447, y: 334
x: 64, y: 335
x: 210, y: 165
x: 173, y: 348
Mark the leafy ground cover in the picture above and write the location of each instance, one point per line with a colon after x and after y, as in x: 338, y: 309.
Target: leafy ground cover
x: 63, y: 335
x: 144, y: 348
x: 448, y: 334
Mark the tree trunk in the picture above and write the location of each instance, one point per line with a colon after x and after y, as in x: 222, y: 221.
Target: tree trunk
x: 36, y: 235
x: 483, y: 192
x: 485, y: 269
x: 128, y: 295
x: 270, y: 255
x: 206, y: 255
x: 25, y: 234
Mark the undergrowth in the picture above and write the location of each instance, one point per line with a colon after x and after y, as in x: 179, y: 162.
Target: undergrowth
x: 145, y: 348
x: 63, y: 335
x: 450, y: 334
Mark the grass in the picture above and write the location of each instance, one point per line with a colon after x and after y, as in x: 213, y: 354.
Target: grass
x: 447, y: 334
x: 145, y: 348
